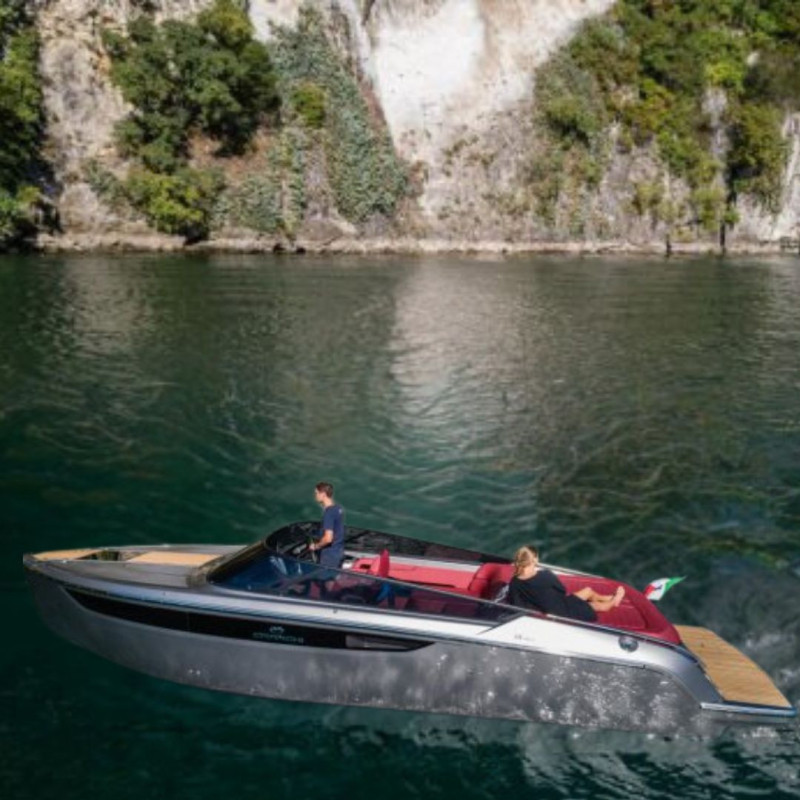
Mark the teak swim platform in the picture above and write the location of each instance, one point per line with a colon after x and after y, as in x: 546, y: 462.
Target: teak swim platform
x: 404, y: 624
x: 736, y: 677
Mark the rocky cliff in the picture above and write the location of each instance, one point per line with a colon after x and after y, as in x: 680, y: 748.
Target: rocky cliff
x: 453, y: 82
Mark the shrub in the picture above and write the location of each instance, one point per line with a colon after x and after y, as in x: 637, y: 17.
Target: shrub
x: 709, y: 206
x: 649, y: 112
x: 105, y: 184
x: 210, y: 75
x: 273, y: 199
x: 774, y: 78
x: 366, y: 176
x: 649, y: 64
x: 177, y: 204
x: 758, y: 152
x: 570, y: 101
x: 574, y: 119
x: 21, y: 123
x: 17, y: 215
x: 308, y: 100
x: 648, y: 197
x: 257, y: 203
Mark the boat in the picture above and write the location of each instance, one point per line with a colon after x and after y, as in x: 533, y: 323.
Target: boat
x: 404, y: 624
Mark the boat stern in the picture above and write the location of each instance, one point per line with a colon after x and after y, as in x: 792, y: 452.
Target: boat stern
x: 747, y: 694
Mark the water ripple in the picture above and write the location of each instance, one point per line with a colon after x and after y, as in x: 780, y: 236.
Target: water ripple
x: 636, y: 418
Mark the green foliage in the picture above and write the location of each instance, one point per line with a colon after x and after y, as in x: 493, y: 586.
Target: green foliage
x: 774, y: 78
x: 604, y: 51
x: 208, y: 76
x: 684, y: 144
x: 20, y: 122
x: 546, y: 178
x: 651, y: 114
x: 648, y: 198
x: 574, y: 119
x: 363, y: 170
x: 709, y: 204
x: 646, y: 69
x: 308, y: 100
x: 105, y: 184
x: 758, y: 152
x: 272, y: 200
x: 257, y: 203
x: 9, y: 220
x: 179, y: 203
x: 571, y: 102
x: 227, y: 23
x: 18, y: 215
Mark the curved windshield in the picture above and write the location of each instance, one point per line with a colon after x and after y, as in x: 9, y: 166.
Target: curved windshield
x: 297, y: 534
x: 267, y: 572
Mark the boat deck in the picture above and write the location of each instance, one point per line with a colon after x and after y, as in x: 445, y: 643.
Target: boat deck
x: 171, y: 557
x: 166, y: 566
x: 737, y: 678
x: 181, y: 559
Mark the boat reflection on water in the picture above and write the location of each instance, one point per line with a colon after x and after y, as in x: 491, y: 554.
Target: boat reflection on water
x: 405, y: 624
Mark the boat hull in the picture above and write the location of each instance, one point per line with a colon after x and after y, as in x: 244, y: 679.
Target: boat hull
x: 439, y: 676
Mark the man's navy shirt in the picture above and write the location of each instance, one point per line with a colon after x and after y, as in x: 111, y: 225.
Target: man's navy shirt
x: 333, y: 520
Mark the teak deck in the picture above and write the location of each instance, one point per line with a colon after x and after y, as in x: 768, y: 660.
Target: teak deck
x: 149, y: 557
x: 181, y: 559
x: 53, y: 555
x: 736, y: 677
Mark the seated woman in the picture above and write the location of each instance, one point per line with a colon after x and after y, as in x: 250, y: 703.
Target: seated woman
x: 541, y: 590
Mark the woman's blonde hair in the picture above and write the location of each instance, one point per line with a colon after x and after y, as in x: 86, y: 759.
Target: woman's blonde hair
x: 525, y: 556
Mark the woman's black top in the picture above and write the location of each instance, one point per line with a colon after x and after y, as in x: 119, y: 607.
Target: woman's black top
x: 544, y: 592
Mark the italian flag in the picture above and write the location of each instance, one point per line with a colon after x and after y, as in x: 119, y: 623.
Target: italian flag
x: 657, y: 589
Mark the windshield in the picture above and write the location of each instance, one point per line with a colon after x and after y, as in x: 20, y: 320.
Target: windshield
x: 264, y: 571
x: 297, y: 534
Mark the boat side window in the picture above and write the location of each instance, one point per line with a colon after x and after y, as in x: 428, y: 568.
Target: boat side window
x: 277, y: 575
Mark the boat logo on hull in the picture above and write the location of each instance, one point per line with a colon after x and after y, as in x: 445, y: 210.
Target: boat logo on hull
x: 277, y: 633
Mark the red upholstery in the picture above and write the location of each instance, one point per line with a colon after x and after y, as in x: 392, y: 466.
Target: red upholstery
x: 451, y: 580
x: 635, y: 613
x: 489, y: 579
x: 380, y: 565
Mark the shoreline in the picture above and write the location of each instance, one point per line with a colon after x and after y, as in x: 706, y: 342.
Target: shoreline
x: 402, y: 245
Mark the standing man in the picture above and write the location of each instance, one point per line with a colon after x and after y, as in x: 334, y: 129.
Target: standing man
x: 330, y: 543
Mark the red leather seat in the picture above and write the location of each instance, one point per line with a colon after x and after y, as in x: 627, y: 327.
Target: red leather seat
x: 636, y: 613
x: 489, y: 579
x: 380, y: 565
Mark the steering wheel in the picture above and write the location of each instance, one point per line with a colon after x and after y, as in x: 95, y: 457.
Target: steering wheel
x: 303, y: 550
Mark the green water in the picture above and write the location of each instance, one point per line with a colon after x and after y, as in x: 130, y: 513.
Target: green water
x: 638, y: 418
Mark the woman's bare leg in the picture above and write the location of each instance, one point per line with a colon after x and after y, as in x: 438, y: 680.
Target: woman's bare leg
x: 612, y: 602
x: 601, y: 602
x: 591, y: 596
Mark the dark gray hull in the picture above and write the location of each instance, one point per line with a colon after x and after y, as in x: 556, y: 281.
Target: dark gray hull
x: 446, y: 676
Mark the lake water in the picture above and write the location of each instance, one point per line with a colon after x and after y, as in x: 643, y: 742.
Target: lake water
x: 637, y: 418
